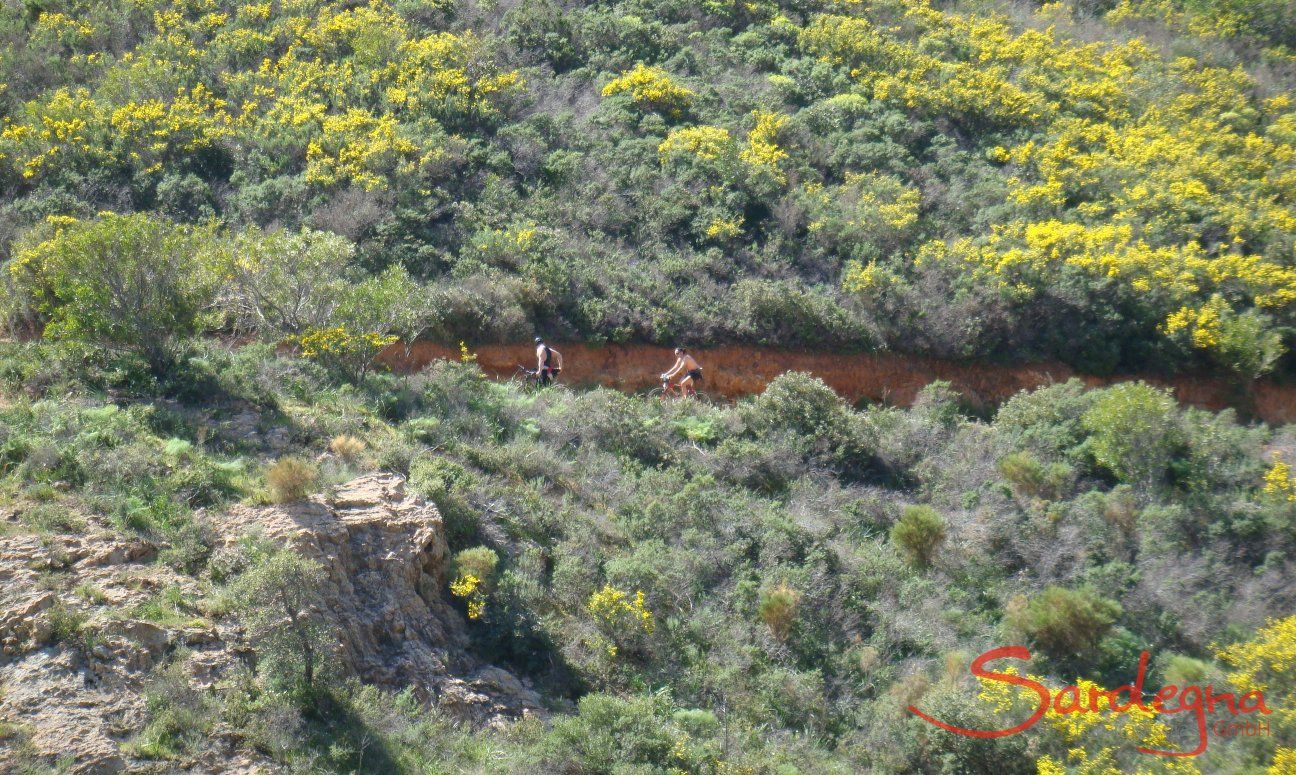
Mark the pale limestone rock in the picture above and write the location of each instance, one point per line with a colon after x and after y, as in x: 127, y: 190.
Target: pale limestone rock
x: 385, y: 558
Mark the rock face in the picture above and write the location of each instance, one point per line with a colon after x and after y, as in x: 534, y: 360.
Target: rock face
x: 79, y: 699
x: 385, y: 555
x: 74, y: 700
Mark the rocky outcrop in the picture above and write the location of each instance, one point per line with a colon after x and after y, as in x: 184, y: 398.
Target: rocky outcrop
x: 385, y: 554
x: 81, y: 634
x: 75, y: 658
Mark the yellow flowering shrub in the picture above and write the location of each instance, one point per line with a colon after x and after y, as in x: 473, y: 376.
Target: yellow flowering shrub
x: 1162, y: 173
x: 1092, y: 739
x: 651, y: 88
x: 352, y: 93
x: 705, y: 142
x: 1240, y: 342
x: 1279, y: 482
x: 763, y: 151
x: 1267, y: 663
x: 861, y: 278
x: 616, y: 612
x: 724, y: 228
x: 359, y: 148
x: 474, y: 578
x: 1284, y: 761
x: 340, y: 347
x: 869, y: 211
x: 469, y: 587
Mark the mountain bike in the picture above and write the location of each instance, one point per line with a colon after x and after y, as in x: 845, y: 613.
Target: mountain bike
x: 527, y: 379
x: 673, y: 390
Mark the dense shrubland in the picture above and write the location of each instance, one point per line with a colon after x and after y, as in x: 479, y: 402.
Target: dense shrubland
x: 1109, y: 183
x: 752, y: 588
x: 761, y: 587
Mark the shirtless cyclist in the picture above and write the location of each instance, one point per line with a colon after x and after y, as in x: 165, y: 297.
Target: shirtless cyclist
x: 548, y: 362
x: 689, y: 368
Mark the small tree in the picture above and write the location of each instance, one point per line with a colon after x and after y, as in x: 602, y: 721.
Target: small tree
x: 280, y: 597
x: 370, y: 316
x: 918, y: 533
x: 135, y: 282
x: 284, y: 283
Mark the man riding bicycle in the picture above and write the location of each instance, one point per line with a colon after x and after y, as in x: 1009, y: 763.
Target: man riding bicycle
x: 548, y: 362
x: 684, y: 364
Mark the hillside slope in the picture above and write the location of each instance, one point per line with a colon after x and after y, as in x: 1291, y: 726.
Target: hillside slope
x: 1105, y: 184
x: 759, y: 588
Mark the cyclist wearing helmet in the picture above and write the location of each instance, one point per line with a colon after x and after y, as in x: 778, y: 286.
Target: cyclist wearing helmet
x: 548, y: 362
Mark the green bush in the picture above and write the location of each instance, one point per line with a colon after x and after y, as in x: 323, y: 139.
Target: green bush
x: 637, y: 733
x: 66, y: 625
x: 1031, y: 479
x: 1133, y: 431
x: 799, y: 408
x: 130, y: 281
x: 918, y: 533
x: 778, y: 609
x: 1063, y: 622
x: 447, y: 484
x: 180, y: 717
x: 479, y: 562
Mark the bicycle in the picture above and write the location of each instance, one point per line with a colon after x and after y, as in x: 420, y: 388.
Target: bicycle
x: 527, y: 379
x: 673, y: 390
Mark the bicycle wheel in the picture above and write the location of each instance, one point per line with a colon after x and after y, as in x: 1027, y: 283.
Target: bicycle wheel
x: 657, y: 393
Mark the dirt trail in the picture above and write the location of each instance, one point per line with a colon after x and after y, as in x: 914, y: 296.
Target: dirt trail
x: 734, y: 371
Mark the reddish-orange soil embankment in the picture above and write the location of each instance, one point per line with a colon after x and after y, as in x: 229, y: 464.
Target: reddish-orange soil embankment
x: 735, y: 371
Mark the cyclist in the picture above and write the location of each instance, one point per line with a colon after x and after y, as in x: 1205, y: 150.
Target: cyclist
x: 548, y: 362
x: 684, y: 364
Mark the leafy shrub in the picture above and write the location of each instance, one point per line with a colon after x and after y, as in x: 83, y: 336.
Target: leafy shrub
x: 1032, y: 479
x: 777, y: 312
x: 479, y: 561
x: 447, y: 483
x: 918, y: 533
x: 1133, y: 431
x: 1183, y: 670
x: 291, y: 479
x: 801, y: 407
x: 1063, y: 622
x: 1048, y: 419
x: 131, y: 281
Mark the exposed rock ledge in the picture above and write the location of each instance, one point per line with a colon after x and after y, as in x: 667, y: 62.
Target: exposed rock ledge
x: 384, y: 552
x: 385, y: 555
